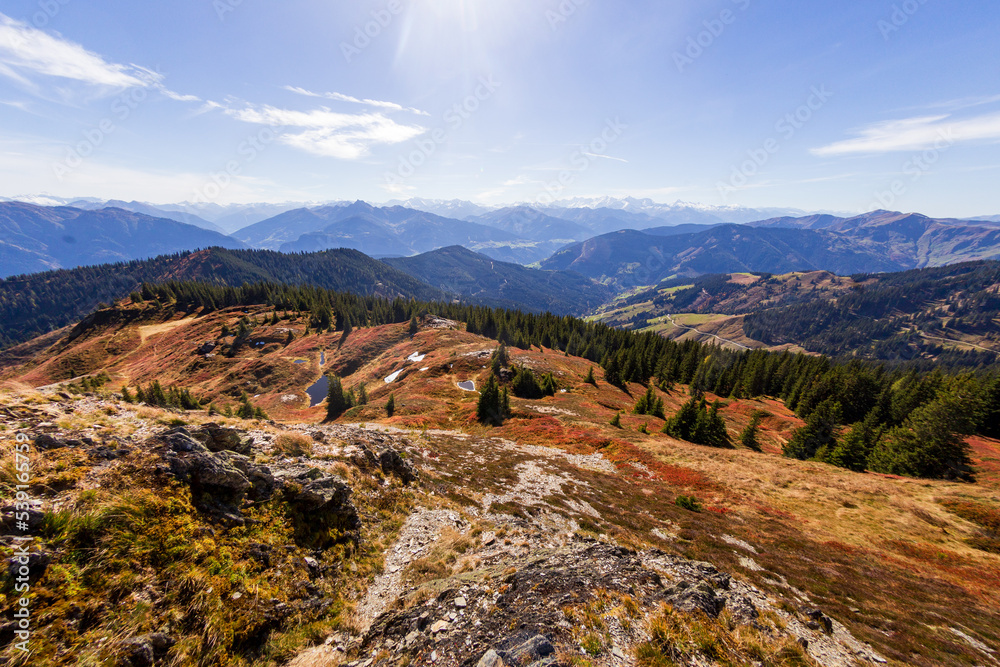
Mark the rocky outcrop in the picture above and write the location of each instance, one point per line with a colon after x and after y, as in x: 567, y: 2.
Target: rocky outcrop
x: 222, y: 481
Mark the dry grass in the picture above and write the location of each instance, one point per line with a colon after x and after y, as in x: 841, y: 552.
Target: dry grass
x: 294, y: 444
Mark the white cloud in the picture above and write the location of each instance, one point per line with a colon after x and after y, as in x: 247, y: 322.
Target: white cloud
x: 915, y: 134
x: 328, y: 133
x: 339, y: 97
x: 26, y: 52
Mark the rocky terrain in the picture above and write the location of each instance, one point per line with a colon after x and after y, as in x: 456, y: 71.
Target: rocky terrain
x: 162, y: 536
x: 464, y: 581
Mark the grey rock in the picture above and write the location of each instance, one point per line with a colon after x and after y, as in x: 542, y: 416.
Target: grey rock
x: 394, y: 464
x: 536, y: 648
x: 491, y: 659
x: 330, y: 499
x: 45, y: 442
x: 37, y: 563
x: 687, y: 598
x: 146, y: 650
x: 180, y: 440
x: 219, y: 439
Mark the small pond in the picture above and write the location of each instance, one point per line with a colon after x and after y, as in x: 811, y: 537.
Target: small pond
x: 317, y: 392
x: 468, y: 385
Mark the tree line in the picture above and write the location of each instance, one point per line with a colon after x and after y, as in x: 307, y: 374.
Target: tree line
x: 859, y: 414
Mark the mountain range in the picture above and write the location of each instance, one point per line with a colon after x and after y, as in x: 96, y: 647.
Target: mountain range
x: 36, y: 304
x: 874, y: 242
x: 622, y: 241
x: 36, y: 238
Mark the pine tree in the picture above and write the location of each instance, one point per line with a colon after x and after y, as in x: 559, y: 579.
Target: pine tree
x: 590, y: 379
x: 362, y: 394
x: 649, y: 404
x: 336, y: 401
x: 819, y: 434
x: 525, y: 385
x: 616, y: 421
x: 414, y: 328
x: 748, y: 437
x: 494, y: 405
x: 500, y: 359
x: 390, y: 407
x: 127, y: 395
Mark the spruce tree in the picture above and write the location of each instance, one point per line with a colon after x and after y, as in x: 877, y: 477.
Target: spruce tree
x: 590, y: 379
x: 748, y: 437
x: 336, y: 401
x: 494, y: 404
x: 649, y: 404
x: 390, y: 406
x: 819, y: 434
x: 414, y: 328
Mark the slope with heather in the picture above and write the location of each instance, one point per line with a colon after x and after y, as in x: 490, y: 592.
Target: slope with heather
x: 948, y: 314
x: 35, y: 304
x: 807, y: 535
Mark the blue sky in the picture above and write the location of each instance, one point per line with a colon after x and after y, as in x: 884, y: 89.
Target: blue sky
x: 842, y: 106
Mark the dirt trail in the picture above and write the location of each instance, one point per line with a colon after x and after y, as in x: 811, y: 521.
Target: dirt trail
x: 154, y: 329
x: 421, y: 530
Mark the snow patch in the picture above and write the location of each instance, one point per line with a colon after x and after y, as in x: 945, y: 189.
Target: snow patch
x: 392, y: 378
x: 416, y: 357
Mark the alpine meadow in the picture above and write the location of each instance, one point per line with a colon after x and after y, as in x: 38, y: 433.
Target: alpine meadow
x: 457, y: 333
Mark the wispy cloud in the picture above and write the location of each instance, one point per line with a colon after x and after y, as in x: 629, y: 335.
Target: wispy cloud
x: 339, y: 97
x: 606, y: 157
x: 915, y: 134
x: 26, y: 52
x: 29, y: 56
x: 328, y: 133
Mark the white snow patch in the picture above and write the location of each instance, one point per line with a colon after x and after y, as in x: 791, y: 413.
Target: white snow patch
x: 416, y: 357
x: 425, y: 369
x: 392, y: 378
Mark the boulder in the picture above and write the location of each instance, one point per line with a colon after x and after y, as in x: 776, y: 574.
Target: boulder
x: 146, y: 650
x: 687, y: 598
x: 218, y: 439
x: 262, y: 482
x: 491, y: 659
x: 44, y: 442
x: 536, y: 648
x: 394, y: 464
x: 210, y: 476
x: 329, y: 498
x: 37, y: 563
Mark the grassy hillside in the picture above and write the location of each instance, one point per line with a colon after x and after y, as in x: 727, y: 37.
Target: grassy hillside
x: 505, y: 518
x: 36, y: 304
x: 456, y: 270
x: 948, y: 314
